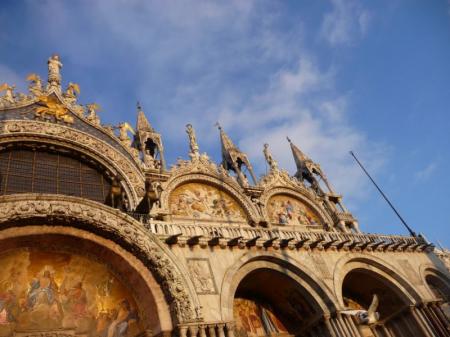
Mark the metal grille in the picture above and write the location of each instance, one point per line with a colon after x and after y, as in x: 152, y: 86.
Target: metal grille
x: 25, y: 171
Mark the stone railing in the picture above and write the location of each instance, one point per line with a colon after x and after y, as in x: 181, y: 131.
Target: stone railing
x: 245, y: 236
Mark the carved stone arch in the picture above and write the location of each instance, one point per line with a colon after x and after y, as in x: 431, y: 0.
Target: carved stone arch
x: 429, y: 269
x: 41, y: 132
x: 116, y: 226
x: 378, y: 267
x: 303, y: 276
x: 296, y: 194
x: 234, y: 191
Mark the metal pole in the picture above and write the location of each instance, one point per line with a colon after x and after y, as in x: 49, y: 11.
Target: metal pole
x: 384, y: 196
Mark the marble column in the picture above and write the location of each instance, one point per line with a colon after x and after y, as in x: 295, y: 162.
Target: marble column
x: 421, y: 323
x: 221, y: 329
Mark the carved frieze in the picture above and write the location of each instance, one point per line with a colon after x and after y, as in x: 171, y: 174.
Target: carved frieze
x: 202, y: 275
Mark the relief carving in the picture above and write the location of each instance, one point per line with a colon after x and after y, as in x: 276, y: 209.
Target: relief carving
x: 201, y: 274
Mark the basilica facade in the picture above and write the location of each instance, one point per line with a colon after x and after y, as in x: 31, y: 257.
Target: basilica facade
x: 99, y: 238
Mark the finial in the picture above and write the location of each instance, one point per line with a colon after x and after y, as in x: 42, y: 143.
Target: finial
x: 138, y: 106
x: 218, y: 125
x: 288, y: 139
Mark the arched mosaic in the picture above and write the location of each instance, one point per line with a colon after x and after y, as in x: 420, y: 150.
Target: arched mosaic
x: 287, y: 211
x: 46, y: 291
x: 256, y: 319
x: 204, y: 202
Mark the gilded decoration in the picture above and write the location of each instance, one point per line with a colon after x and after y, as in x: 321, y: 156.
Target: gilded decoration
x: 254, y: 319
x: 204, y: 202
x: 116, y: 225
x: 287, y: 211
x: 47, y: 290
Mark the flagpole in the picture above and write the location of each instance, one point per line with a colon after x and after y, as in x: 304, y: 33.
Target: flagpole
x: 384, y: 196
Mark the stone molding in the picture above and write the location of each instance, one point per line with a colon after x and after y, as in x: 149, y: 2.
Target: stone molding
x: 24, y: 130
x: 77, y: 212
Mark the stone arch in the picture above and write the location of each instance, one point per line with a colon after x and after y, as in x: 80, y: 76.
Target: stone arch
x: 378, y: 268
x: 221, y: 184
x: 58, y: 135
x: 112, y: 224
x: 70, y: 240
x: 429, y: 271
x: 295, y: 194
x: 303, y: 276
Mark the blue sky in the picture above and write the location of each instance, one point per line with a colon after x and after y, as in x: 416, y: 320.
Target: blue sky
x: 368, y: 76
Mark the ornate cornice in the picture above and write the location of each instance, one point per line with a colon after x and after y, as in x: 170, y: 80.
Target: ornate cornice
x: 77, y: 212
x: 25, y: 130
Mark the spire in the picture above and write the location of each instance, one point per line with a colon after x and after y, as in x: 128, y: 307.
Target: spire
x: 148, y: 142
x: 142, y: 123
x: 233, y: 158
x: 299, y: 157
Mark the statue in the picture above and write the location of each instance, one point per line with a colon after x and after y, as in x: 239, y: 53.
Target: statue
x: 51, y: 106
x: 35, y: 85
x: 8, y: 98
x: 54, y: 71
x: 72, y: 91
x: 192, y: 141
x: 269, y: 159
x: 92, y: 113
x: 123, y: 133
x: 152, y: 197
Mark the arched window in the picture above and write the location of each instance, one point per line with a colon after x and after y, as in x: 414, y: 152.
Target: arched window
x: 38, y: 171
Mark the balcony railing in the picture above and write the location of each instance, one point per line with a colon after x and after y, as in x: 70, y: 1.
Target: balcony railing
x: 230, y: 235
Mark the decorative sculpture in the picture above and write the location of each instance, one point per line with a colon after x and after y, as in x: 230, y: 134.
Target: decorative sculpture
x: 54, y: 72
x: 72, y: 91
x: 269, y: 159
x: 8, y: 97
x: 152, y: 196
x: 124, y: 128
x: 51, y: 106
x: 35, y: 85
x: 116, y: 195
x: 192, y: 141
x: 92, y: 113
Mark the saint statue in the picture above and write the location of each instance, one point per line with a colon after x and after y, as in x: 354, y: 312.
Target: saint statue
x: 9, y: 93
x: 192, y: 140
x: 35, y: 85
x: 54, y: 71
x: 272, y: 162
x: 92, y: 113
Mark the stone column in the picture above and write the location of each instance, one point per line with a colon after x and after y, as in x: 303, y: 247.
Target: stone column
x: 202, y: 329
x: 436, y: 322
x: 441, y: 316
x: 344, y: 327
x: 425, y: 317
x: 387, y: 331
x: 193, y: 330
x: 183, y: 331
x: 230, y: 329
x: 329, y: 326
x: 421, y: 323
x: 351, y: 324
x: 212, y: 331
x: 221, y: 329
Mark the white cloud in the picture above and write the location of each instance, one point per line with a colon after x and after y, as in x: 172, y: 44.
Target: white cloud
x: 347, y: 21
x: 200, y: 62
x: 426, y: 173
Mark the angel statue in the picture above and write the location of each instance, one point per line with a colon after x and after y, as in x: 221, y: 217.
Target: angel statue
x: 92, y: 113
x: 123, y: 132
x: 8, y: 98
x: 54, y: 71
x: 72, y: 91
x: 192, y: 141
x: 35, y: 85
x: 272, y: 162
x: 365, y: 317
